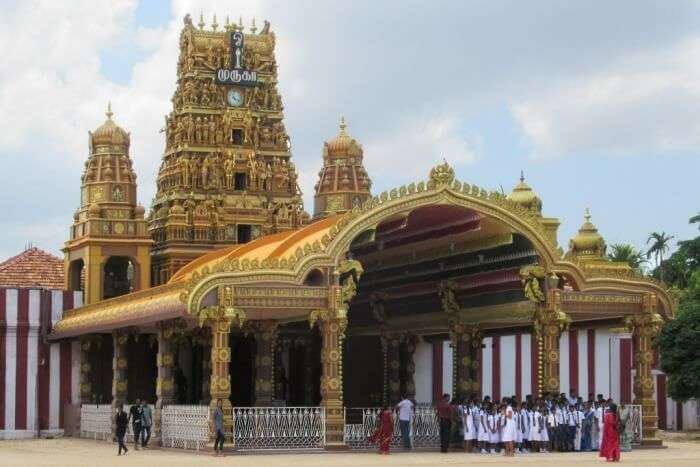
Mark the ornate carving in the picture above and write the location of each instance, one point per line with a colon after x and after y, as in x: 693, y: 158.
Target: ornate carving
x: 530, y: 276
x: 441, y: 175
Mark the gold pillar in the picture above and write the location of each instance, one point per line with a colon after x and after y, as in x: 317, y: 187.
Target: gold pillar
x: 410, y: 342
x: 86, y: 345
x: 165, y: 387
x: 119, y: 367
x: 466, y: 340
x: 549, y: 323
x: 265, y: 333
x: 391, y: 348
x: 332, y: 334
x: 220, y: 379
x: 644, y: 328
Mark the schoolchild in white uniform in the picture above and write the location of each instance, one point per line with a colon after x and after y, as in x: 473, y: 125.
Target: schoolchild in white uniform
x: 469, y: 422
x: 524, y: 427
x: 484, y: 431
x: 494, y: 434
x: 509, y: 431
x: 578, y: 418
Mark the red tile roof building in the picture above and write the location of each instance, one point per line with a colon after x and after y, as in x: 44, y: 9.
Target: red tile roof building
x: 33, y: 268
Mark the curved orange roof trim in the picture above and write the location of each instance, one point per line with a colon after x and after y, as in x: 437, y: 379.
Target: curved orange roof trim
x: 301, y: 234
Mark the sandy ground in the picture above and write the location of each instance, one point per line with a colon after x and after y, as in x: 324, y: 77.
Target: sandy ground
x: 76, y: 452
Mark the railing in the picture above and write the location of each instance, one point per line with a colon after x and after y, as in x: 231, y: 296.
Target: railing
x: 360, y: 423
x: 96, y: 421
x: 185, y: 426
x: 636, y: 422
x: 279, y: 428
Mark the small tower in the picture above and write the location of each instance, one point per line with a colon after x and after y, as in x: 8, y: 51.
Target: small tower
x: 588, y: 244
x: 526, y: 197
x: 107, y: 254
x: 343, y: 181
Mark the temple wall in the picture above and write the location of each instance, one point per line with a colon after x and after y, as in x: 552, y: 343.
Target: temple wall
x: 36, y: 379
x: 423, y: 359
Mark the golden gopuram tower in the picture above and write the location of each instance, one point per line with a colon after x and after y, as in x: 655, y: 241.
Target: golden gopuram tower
x: 342, y: 181
x: 226, y: 176
x: 107, y: 254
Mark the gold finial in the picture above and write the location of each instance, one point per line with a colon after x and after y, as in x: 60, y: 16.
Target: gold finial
x: 240, y: 23
x: 253, y: 28
x: 587, y: 215
x: 214, y: 25
x: 201, y: 21
x: 343, y: 126
x: 109, y: 110
x: 522, y: 175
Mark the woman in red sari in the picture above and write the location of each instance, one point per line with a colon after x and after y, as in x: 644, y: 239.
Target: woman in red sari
x: 385, y: 430
x: 610, y: 447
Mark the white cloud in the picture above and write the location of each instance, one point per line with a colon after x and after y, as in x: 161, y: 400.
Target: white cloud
x: 645, y: 102
x: 408, y: 151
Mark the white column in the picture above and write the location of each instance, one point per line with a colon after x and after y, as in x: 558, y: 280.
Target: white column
x: 486, y: 365
x: 11, y: 359
x: 602, y: 362
x: 32, y: 358
x: 423, y: 377
x: 526, y: 365
x: 582, y: 363
x: 507, y: 369
x: 446, y: 368
x: 564, y: 362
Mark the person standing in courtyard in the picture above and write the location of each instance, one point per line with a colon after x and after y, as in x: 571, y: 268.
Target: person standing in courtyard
x: 218, y: 428
x: 444, y: 410
x: 405, y: 408
x: 146, y: 423
x: 135, y: 414
x: 610, y: 446
x: 625, y: 428
x: 121, y: 422
x: 385, y: 430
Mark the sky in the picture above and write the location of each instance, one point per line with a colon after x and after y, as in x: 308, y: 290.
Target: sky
x: 596, y: 101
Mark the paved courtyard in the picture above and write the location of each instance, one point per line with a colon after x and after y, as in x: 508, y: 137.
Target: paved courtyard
x: 75, y: 452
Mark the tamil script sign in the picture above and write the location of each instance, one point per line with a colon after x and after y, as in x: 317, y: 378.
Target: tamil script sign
x: 237, y: 74
x: 240, y: 77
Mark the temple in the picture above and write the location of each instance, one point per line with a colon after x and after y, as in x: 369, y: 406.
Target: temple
x: 229, y: 290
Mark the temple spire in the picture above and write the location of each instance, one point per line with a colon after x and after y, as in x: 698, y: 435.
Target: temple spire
x: 587, y: 215
x: 522, y: 175
x: 343, y: 126
x: 109, y: 112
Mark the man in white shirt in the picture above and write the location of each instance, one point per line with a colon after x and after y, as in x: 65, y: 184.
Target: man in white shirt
x: 405, y: 408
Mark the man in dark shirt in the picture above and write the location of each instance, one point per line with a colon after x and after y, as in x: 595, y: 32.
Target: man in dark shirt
x: 136, y: 414
x: 121, y: 421
x: 445, y: 410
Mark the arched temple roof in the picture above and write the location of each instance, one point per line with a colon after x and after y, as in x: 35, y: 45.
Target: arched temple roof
x: 282, y: 260
x: 277, y: 245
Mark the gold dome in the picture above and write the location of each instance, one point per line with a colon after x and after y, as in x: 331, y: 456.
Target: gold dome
x: 524, y: 196
x: 343, y: 143
x: 588, y: 242
x: 109, y: 133
x: 94, y: 210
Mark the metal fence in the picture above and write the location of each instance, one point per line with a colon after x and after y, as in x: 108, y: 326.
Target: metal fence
x: 185, y: 426
x: 636, y: 422
x: 279, y: 428
x: 361, y: 423
x: 96, y: 421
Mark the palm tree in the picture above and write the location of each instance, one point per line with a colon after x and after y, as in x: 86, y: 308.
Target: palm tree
x: 626, y: 253
x: 660, y: 243
x: 695, y: 219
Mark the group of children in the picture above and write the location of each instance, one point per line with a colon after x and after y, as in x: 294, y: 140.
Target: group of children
x: 546, y: 424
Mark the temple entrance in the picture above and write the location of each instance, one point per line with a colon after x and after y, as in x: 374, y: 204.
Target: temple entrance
x: 298, y: 367
x: 398, y: 310
x: 142, y: 371
x: 241, y: 369
x: 118, y: 277
x: 100, y: 361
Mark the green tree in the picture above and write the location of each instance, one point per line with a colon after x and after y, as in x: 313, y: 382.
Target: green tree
x: 660, y: 244
x: 695, y: 219
x: 626, y: 253
x: 678, y: 345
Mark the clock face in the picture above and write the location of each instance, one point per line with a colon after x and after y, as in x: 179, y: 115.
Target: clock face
x: 234, y: 98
